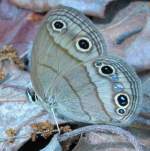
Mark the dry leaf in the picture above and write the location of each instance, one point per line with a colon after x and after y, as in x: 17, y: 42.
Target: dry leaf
x: 90, y: 7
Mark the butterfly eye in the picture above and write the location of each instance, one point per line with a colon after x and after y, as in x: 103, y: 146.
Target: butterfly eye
x: 122, y: 100
x: 58, y: 25
x: 83, y: 44
x: 121, y: 111
x: 106, y: 70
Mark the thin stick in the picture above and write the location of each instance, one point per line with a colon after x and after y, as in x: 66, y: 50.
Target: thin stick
x: 55, y: 120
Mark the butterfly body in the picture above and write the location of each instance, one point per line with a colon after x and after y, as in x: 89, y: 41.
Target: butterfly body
x: 72, y: 74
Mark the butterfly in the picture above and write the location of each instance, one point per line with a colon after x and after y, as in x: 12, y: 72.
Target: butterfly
x: 73, y: 74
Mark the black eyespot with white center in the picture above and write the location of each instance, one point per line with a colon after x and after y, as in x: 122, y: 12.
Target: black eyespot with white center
x: 83, y: 44
x: 122, y: 100
x: 58, y: 25
x: 121, y: 111
x: 106, y: 70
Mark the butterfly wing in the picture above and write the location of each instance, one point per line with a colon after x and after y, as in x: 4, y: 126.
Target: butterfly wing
x: 55, y: 51
x: 118, y: 88
x: 63, y: 68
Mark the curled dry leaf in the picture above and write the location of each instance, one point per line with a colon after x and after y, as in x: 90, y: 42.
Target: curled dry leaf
x: 89, y: 7
x: 96, y: 138
x: 106, y: 142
